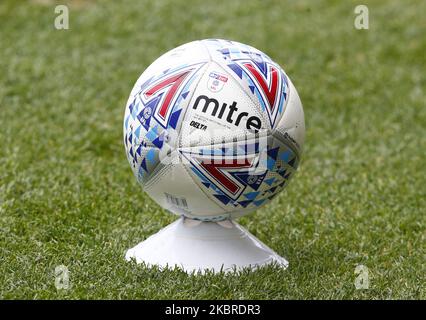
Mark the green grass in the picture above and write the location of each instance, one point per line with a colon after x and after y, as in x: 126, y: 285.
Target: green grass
x: 67, y: 195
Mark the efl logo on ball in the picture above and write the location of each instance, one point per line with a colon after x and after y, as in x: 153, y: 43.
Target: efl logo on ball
x: 216, y: 81
x: 229, y: 121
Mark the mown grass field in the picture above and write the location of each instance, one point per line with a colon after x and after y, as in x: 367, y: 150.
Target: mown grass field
x: 68, y: 197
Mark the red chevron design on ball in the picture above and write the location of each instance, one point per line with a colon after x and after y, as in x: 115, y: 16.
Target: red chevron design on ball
x: 173, y: 82
x: 214, y: 167
x: 270, y: 90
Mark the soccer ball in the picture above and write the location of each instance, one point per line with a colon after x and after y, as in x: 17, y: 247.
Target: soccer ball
x: 213, y: 129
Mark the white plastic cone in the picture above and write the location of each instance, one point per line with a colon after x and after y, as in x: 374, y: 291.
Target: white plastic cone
x: 199, y: 246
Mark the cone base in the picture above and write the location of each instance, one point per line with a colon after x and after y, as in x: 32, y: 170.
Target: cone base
x: 196, y: 246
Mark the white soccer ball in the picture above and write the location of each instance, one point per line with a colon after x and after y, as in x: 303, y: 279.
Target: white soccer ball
x: 213, y: 129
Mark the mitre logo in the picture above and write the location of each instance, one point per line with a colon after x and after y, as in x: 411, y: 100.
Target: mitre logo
x: 228, y: 112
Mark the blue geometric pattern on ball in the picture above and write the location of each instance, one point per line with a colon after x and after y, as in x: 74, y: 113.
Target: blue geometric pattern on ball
x: 257, y: 187
x: 144, y: 135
